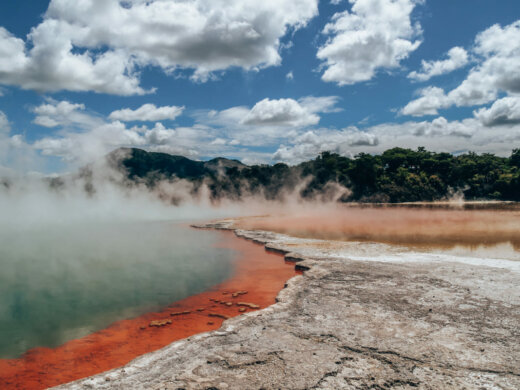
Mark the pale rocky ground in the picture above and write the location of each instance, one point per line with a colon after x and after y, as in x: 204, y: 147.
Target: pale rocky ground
x: 435, y: 323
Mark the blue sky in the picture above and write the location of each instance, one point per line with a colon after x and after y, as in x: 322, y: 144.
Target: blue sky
x: 258, y: 81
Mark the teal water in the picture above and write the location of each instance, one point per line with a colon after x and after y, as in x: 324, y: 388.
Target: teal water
x: 61, y: 283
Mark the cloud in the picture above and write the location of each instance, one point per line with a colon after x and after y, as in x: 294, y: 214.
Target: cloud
x: 499, y: 69
x: 289, y: 112
x: 281, y: 112
x: 15, y: 153
x: 63, y: 113
x: 497, y: 52
x: 431, y: 100
x: 12, y: 57
x: 457, y: 58
x: 5, y: 128
x: 439, y: 134
x: 289, y: 76
x: 269, y: 121
x: 375, y: 35
x: 321, y: 104
x: 88, y: 146
x: 147, y: 113
x: 311, y: 143
x: 100, y: 46
x: 82, y: 147
x: 442, y: 127
x: 80, y: 136
x: 292, y: 146
x: 504, y: 111
x: 51, y: 64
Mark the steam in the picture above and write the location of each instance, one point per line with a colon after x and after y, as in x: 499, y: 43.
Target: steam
x: 456, y: 196
x: 102, y: 192
x: 34, y: 204
x: 98, y: 196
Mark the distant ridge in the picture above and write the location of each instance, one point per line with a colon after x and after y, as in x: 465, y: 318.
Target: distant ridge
x: 140, y: 163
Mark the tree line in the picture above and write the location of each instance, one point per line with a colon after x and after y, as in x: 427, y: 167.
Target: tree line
x: 397, y: 175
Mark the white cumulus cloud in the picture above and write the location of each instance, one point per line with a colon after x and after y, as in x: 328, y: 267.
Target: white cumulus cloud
x: 457, y: 58
x: 4, y: 124
x: 94, y: 45
x: 432, y: 99
x: 289, y: 112
x: 55, y: 113
x: 497, y: 52
x: 312, y: 143
x: 374, y: 35
x: 505, y: 111
x: 51, y: 65
x: 147, y: 113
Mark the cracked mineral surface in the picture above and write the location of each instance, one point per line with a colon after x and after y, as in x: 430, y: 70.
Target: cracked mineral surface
x: 350, y: 323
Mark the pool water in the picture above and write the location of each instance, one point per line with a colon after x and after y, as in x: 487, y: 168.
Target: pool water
x: 64, y: 282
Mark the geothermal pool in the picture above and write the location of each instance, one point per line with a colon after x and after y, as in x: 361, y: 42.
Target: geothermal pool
x: 90, y: 290
x: 63, y: 282
x: 122, y: 287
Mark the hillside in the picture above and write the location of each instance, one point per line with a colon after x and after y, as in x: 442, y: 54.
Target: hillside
x: 398, y: 175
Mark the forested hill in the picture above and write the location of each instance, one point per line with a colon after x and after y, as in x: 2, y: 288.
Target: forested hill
x: 398, y: 175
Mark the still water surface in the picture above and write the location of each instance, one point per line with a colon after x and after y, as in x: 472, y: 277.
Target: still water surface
x: 61, y: 283
x: 481, y: 229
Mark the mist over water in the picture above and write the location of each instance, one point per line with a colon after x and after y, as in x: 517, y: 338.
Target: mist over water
x: 76, y: 257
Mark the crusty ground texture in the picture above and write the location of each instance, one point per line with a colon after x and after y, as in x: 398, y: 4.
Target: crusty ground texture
x: 348, y: 324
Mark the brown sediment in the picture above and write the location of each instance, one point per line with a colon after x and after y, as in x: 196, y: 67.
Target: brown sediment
x: 258, y: 274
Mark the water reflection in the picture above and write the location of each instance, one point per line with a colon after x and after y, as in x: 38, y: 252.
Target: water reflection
x: 480, y: 227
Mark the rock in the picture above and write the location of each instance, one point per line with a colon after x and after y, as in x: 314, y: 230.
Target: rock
x: 250, y: 305
x: 238, y: 293
x: 293, y: 258
x: 218, y: 315
x: 160, y: 323
x: 210, y: 322
x: 275, y: 249
x: 201, y: 309
x: 229, y: 304
x: 299, y: 267
x: 242, y: 309
x: 180, y: 313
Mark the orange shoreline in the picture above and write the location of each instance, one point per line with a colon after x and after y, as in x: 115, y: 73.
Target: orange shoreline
x: 262, y: 274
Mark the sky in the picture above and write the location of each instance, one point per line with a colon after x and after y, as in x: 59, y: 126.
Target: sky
x: 260, y: 81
